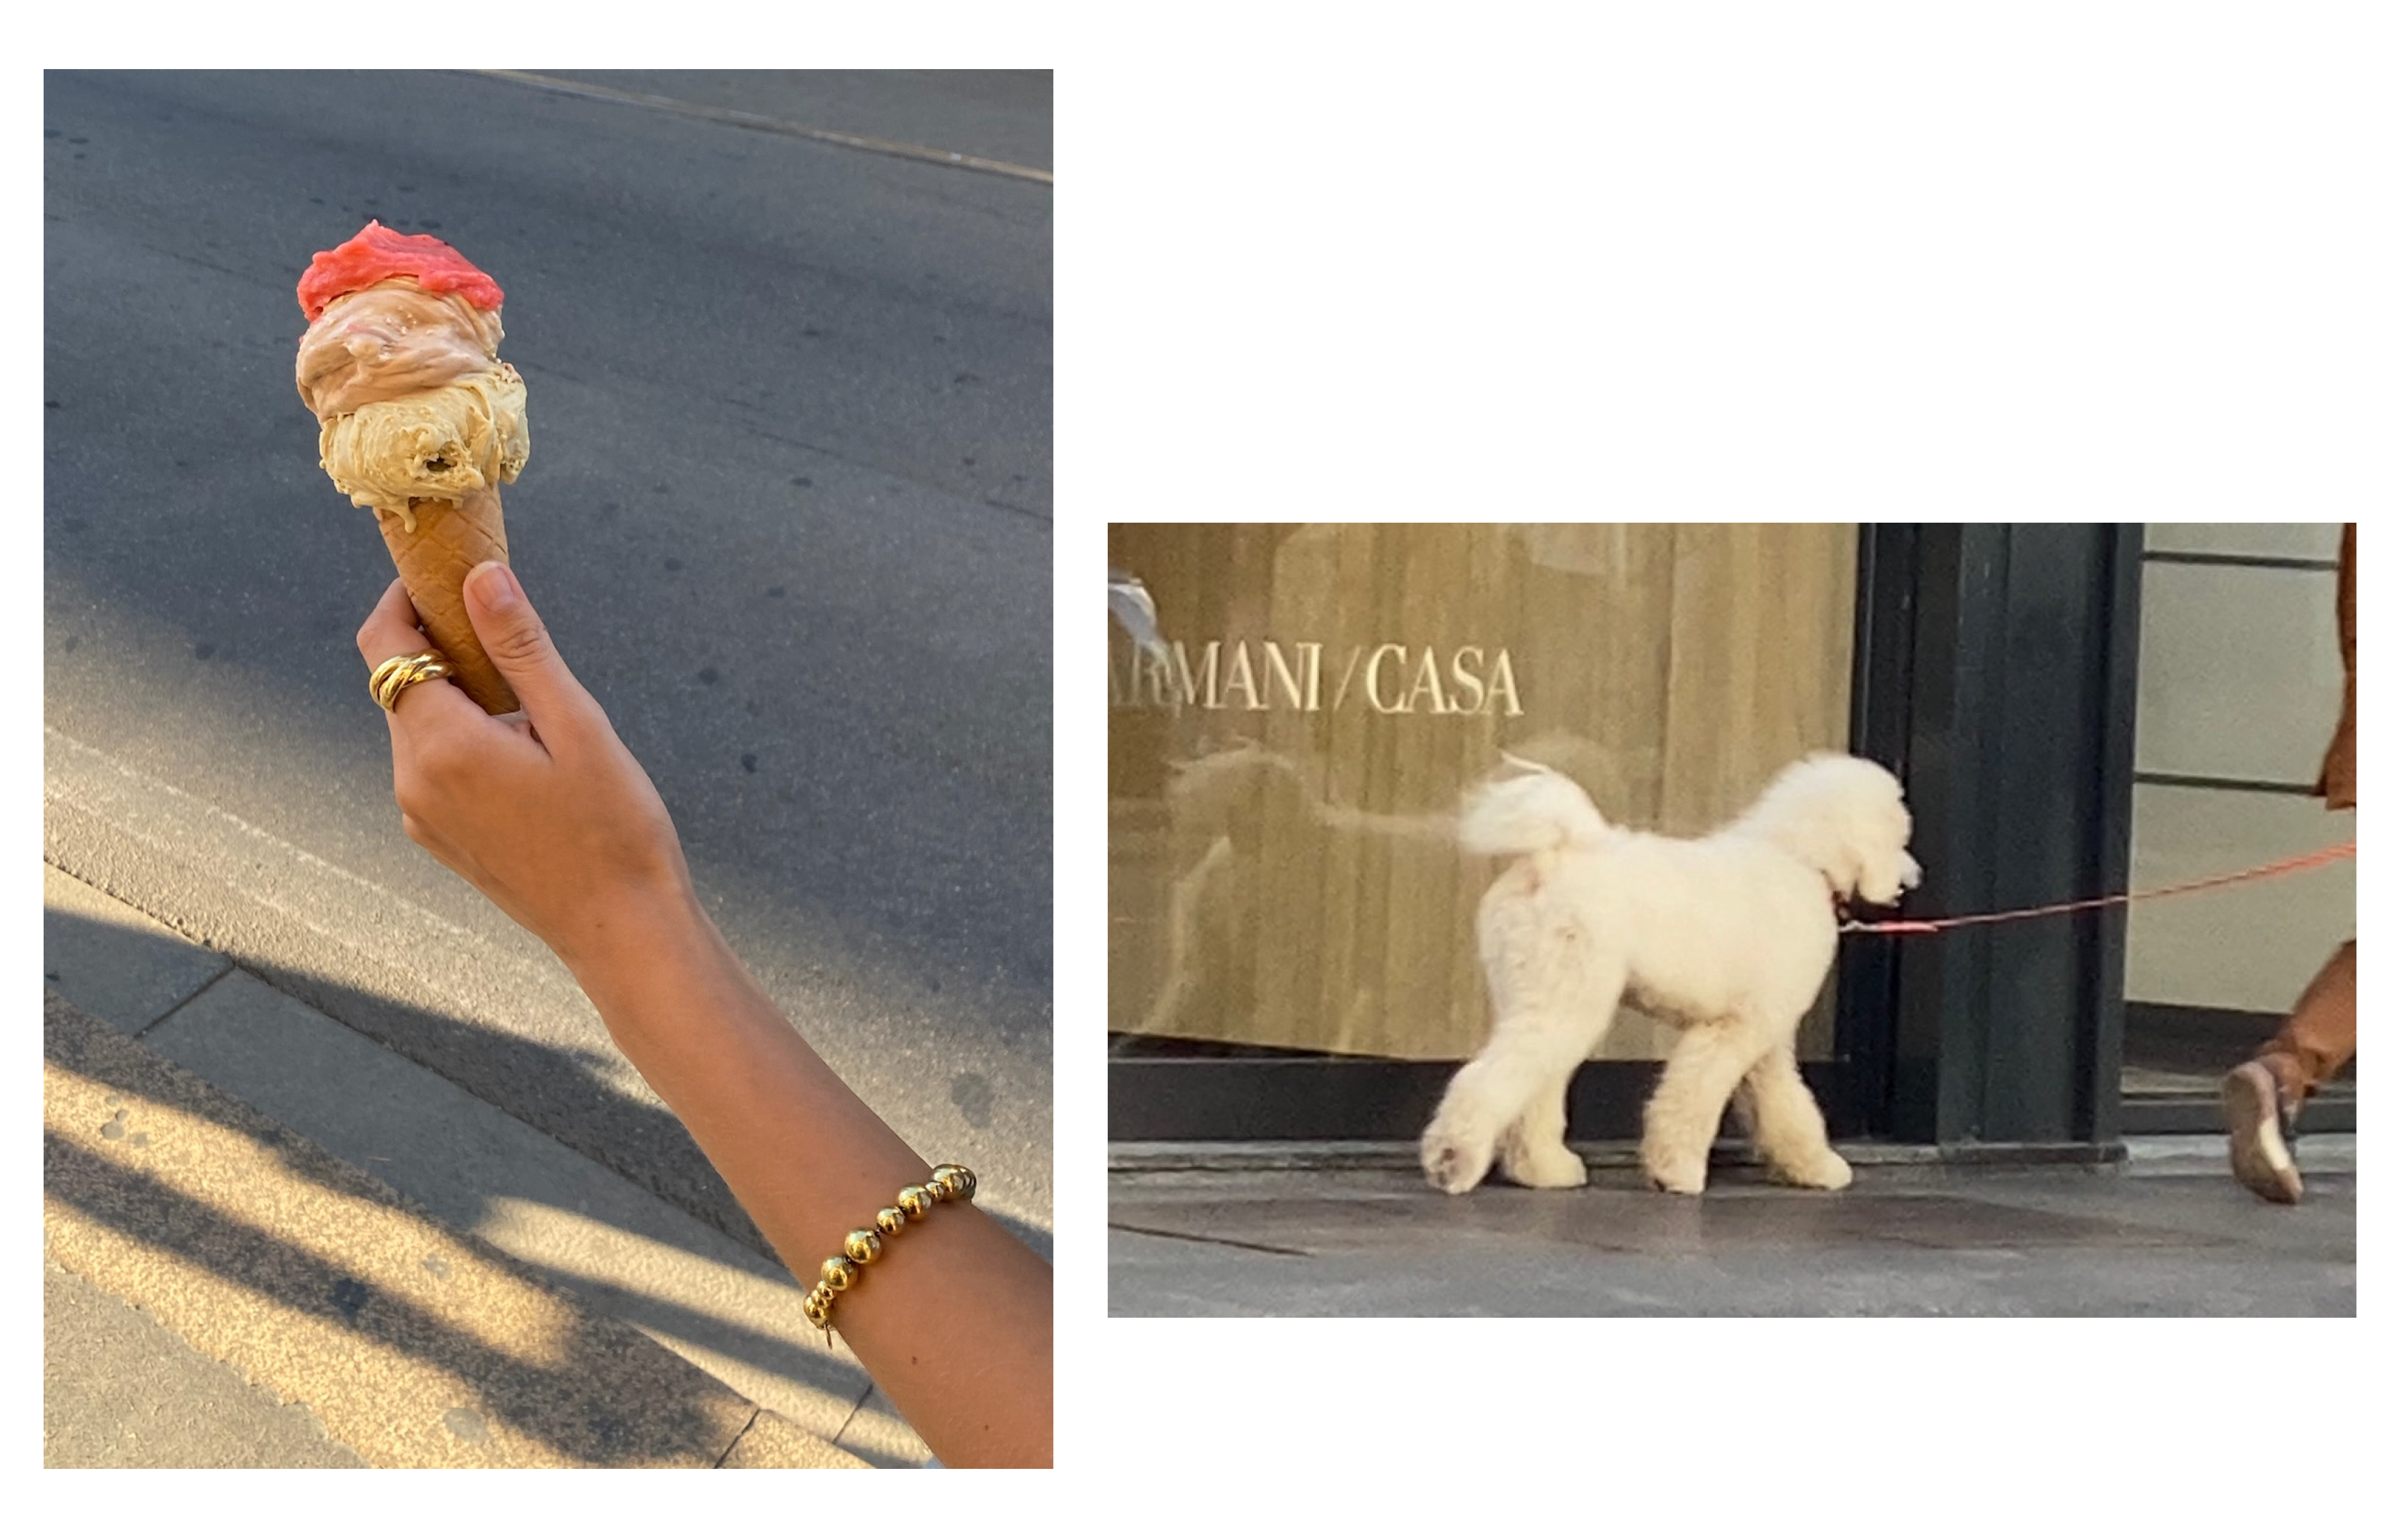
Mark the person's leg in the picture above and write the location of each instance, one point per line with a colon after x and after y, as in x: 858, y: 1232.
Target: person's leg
x: 2262, y: 1095
x: 2321, y: 1035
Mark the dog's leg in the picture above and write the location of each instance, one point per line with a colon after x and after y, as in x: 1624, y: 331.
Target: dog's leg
x: 1553, y: 985
x: 1787, y: 1124
x: 1686, y: 1109
x: 1533, y: 1152
x: 1530, y: 1057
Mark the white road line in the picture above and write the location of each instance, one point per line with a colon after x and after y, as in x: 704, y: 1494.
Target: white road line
x: 771, y: 125
x: 147, y: 809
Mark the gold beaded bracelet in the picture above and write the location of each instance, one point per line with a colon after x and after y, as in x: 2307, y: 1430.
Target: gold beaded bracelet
x: 863, y: 1247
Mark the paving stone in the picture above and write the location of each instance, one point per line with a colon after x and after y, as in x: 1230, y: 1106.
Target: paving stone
x: 684, y: 1283
x: 121, y: 1390
x: 414, y: 1345
x: 773, y: 1442
x: 116, y: 962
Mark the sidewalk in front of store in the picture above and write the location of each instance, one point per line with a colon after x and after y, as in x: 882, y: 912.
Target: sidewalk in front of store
x: 2168, y: 1232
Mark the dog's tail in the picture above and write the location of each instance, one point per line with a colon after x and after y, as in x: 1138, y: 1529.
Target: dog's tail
x: 1531, y: 812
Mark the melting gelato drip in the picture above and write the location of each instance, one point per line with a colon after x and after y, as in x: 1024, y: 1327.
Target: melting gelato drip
x: 400, y: 365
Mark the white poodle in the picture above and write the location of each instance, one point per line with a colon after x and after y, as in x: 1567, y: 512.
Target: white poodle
x: 1727, y: 936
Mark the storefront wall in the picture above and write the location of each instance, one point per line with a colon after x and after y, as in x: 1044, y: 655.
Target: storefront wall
x: 1286, y: 764
x: 1291, y: 928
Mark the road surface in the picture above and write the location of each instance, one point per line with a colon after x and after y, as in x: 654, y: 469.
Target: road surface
x: 788, y: 514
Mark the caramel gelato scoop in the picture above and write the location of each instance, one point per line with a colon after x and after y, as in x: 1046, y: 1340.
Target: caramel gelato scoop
x: 441, y: 444
x: 418, y: 418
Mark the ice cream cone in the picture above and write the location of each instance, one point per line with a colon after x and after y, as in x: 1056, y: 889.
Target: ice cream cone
x: 434, y: 561
x: 419, y: 418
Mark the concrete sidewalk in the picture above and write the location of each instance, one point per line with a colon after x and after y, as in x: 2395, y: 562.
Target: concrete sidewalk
x: 272, y: 1242
x: 2168, y: 1232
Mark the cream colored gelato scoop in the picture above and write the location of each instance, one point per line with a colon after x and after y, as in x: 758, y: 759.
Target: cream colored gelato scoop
x: 439, y: 444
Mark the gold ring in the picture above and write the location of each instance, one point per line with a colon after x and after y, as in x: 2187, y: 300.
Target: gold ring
x: 395, y: 674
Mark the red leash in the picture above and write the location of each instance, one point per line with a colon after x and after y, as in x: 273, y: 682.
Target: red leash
x: 1933, y: 926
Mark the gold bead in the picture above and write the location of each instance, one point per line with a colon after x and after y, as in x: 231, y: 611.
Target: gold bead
x: 837, y: 1272
x: 960, y: 1184
x: 861, y: 1246
x: 915, y: 1200
x: 816, y: 1312
x: 890, y: 1219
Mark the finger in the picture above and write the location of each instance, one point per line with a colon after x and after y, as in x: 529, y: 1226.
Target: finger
x: 517, y: 722
x: 434, y: 705
x: 521, y: 647
x: 390, y: 630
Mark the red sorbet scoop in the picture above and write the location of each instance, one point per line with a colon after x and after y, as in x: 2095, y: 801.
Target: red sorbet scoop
x: 377, y: 253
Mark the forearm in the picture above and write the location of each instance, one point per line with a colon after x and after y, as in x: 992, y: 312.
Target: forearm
x: 954, y: 1322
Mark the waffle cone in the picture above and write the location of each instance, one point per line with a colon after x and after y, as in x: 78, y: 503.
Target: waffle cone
x: 433, y: 562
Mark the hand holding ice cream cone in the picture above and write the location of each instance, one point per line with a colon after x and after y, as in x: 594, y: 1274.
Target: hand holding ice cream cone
x: 419, y: 419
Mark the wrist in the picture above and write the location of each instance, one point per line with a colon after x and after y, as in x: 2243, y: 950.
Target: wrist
x: 620, y: 941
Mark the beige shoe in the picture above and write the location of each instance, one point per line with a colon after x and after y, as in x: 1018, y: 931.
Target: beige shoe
x: 2253, y: 1114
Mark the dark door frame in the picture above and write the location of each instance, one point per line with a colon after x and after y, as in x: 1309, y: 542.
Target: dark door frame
x: 1997, y: 668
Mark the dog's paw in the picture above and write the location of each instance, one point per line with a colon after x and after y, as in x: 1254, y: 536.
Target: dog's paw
x: 1683, y: 1175
x: 1450, y: 1166
x: 1822, y: 1172
x: 1556, y: 1169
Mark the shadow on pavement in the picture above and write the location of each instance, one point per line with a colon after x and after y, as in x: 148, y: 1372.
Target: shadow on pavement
x: 643, y: 1144
x: 565, y: 1403
x: 559, y: 1408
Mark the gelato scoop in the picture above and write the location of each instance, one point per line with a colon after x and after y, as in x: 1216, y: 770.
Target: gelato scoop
x: 392, y: 341
x: 440, y: 444
x: 377, y: 253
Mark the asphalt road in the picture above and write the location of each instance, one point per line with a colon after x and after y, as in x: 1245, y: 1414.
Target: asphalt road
x: 788, y: 513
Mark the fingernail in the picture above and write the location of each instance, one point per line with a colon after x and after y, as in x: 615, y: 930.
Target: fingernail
x: 494, y: 587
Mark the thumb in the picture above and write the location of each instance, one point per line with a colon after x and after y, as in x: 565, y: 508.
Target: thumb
x: 519, y: 646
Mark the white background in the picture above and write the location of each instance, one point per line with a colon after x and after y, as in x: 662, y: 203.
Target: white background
x: 1723, y: 260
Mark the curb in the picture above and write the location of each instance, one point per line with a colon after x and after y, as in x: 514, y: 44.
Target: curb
x: 1145, y: 1158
